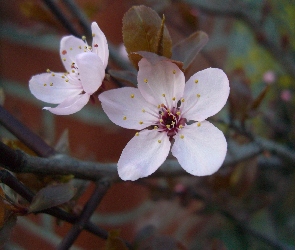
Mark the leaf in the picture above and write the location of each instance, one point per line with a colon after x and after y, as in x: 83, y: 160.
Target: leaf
x: 143, y: 30
x: 52, y: 195
x: 114, y: 242
x: 124, y: 75
x: 187, y: 49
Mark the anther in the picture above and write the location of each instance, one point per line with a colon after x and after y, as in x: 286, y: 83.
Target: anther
x: 137, y: 134
x: 180, y: 126
x: 140, y: 122
x: 159, y: 106
x: 51, y: 84
x: 93, y: 35
x: 124, y: 118
x: 83, y: 38
x: 198, y: 95
x: 53, y: 74
x: 64, y: 59
x: 159, y: 141
x: 44, y: 84
x: 132, y: 95
x: 163, y: 95
x: 80, y: 47
x: 182, y: 136
x: 178, y: 112
x: 198, y: 124
x: 67, y: 80
x: 161, y: 120
x: 156, y: 127
x: 182, y: 100
x: 48, y: 70
x: 71, y: 48
x: 174, y: 71
x: 196, y: 81
x: 73, y: 71
x: 145, y: 80
x: 173, y: 99
x: 143, y: 110
x: 167, y: 126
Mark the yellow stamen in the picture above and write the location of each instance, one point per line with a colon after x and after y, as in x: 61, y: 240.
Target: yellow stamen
x: 124, y: 118
x: 196, y: 81
x: 182, y: 136
x: 159, y: 141
x: 137, y: 134
x: 132, y: 95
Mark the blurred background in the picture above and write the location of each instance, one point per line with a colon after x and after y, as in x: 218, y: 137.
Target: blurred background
x: 246, y: 205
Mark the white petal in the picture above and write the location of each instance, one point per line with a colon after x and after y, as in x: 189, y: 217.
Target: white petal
x: 70, y: 105
x: 127, y: 108
x: 99, y: 44
x: 52, y: 88
x: 70, y: 47
x: 160, y: 83
x: 200, y: 150
x: 143, y: 155
x: 206, y: 97
x: 91, y: 71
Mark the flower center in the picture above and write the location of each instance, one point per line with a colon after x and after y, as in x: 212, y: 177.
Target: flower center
x: 170, y: 121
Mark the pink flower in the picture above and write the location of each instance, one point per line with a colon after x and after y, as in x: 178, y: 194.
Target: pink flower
x: 85, y: 67
x: 163, y: 107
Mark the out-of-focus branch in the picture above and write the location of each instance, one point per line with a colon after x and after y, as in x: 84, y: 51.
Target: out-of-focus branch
x: 24, y: 134
x: 236, y: 11
x: 99, y: 192
x: 243, y: 224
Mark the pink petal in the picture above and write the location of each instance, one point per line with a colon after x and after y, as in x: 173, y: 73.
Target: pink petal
x: 99, y: 44
x: 205, y: 94
x: 127, y: 108
x: 70, y: 47
x: 143, y: 155
x: 71, y: 105
x: 52, y: 88
x: 160, y: 83
x: 200, y: 150
x: 91, y: 71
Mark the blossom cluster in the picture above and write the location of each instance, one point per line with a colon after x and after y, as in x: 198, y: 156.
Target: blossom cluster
x: 163, y: 108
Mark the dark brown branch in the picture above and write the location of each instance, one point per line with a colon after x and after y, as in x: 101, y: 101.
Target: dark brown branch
x: 24, y: 134
x: 95, y: 199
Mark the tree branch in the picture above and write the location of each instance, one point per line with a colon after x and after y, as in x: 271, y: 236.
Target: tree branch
x: 17, y: 161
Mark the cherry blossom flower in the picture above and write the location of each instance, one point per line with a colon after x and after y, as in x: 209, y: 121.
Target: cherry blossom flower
x: 166, y: 109
x: 85, y: 66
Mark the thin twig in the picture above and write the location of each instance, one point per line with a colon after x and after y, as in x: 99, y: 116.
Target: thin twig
x: 24, y: 134
x: 99, y: 192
